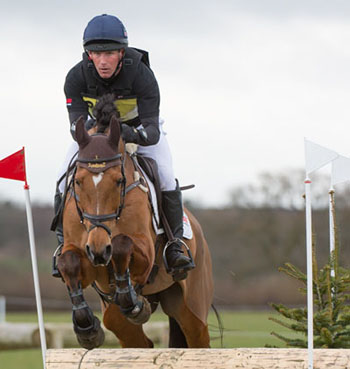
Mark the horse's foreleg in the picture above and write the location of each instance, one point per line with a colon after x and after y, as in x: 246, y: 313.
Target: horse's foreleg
x: 129, y: 335
x: 135, y: 307
x: 74, y: 268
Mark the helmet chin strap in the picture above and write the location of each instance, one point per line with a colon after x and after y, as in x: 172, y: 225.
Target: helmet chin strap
x: 119, y: 67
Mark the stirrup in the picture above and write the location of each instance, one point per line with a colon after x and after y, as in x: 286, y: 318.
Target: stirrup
x: 55, y: 272
x: 180, y: 272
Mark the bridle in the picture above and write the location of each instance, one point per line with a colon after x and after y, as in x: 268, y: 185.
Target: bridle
x: 97, y: 221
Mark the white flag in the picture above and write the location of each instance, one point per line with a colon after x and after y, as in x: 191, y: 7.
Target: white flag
x: 340, y: 170
x: 316, y: 156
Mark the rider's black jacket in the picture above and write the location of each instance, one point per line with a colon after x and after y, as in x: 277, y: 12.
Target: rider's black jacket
x: 135, y: 79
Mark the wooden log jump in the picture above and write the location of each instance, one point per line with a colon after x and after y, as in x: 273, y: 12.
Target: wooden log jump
x: 240, y: 358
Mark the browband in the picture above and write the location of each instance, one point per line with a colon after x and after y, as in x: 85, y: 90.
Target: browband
x: 99, y: 160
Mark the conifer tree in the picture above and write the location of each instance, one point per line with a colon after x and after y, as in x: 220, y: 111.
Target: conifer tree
x: 331, y: 298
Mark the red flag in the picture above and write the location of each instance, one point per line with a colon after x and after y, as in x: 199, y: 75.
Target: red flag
x: 14, y: 167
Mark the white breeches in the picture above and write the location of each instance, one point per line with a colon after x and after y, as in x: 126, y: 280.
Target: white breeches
x: 159, y: 152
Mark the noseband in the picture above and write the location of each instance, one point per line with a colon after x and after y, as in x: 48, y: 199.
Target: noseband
x: 97, y: 221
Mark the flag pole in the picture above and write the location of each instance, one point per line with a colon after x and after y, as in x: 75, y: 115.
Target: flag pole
x: 35, y: 272
x: 316, y: 156
x: 14, y: 167
x: 331, y: 225
x: 310, y: 329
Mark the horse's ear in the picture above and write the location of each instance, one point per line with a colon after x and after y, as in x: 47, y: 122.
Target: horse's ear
x: 114, y: 131
x: 83, y: 138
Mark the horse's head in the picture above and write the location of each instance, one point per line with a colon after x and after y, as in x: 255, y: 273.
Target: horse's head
x: 99, y: 184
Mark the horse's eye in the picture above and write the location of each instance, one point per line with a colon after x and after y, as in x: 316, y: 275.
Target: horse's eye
x: 77, y: 182
x: 119, y: 182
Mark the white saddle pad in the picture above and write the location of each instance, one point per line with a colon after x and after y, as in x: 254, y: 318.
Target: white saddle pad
x: 188, y: 234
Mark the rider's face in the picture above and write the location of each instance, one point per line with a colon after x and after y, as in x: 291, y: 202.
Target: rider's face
x: 106, y: 61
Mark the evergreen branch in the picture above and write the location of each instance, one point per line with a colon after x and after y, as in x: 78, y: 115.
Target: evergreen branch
x: 327, y: 337
x: 295, y: 314
x: 290, y: 342
x: 283, y: 324
x: 293, y: 272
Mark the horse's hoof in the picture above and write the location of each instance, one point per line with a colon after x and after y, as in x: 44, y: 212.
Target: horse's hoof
x: 180, y: 276
x: 95, y: 341
x: 140, y: 316
x: 90, y: 337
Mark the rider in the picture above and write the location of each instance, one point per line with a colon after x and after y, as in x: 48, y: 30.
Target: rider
x: 110, y: 66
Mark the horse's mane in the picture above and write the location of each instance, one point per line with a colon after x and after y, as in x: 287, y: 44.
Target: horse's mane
x: 103, y: 112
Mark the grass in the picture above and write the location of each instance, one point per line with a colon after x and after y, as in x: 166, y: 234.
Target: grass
x: 241, y: 329
x: 246, y: 329
x: 21, y: 359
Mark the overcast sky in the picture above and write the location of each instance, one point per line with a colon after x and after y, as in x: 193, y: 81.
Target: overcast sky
x: 242, y: 83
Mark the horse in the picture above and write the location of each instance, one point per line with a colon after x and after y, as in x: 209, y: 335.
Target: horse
x: 111, y: 245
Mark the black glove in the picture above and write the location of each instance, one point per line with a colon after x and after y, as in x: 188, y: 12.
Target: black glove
x: 131, y: 134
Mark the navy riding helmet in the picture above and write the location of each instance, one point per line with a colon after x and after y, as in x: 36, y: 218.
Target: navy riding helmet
x: 105, y: 32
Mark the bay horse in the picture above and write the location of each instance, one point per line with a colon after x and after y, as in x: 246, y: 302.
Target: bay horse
x: 109, y: 243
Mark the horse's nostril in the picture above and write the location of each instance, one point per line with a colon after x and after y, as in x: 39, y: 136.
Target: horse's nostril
x: 90, y: 254
x: 107, y: 254
x: 99, y: 258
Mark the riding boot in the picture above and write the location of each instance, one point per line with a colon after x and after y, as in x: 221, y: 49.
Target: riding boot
x: 177, y: 262
x: 59, y: 233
